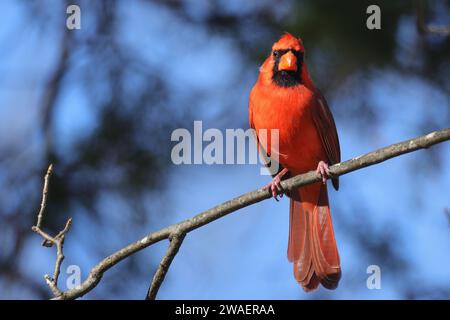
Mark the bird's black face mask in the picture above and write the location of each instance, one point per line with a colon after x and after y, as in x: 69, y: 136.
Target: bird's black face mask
x: 287, y: 67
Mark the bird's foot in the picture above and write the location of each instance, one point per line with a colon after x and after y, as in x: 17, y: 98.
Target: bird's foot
x: 275, y: 185
x: 323, y: 170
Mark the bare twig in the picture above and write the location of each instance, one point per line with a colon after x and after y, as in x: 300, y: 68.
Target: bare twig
x: 160, y: 274
x: 177, y: 231
x: 44, y: 195
x: 49, y: 241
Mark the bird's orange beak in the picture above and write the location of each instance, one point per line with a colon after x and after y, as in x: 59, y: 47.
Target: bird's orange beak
x: 288, y: 62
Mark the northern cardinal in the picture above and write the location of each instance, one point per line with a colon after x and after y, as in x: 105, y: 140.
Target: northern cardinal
x: 285, y: 98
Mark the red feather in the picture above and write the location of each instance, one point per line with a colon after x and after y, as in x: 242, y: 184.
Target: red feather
x: 307, y: 135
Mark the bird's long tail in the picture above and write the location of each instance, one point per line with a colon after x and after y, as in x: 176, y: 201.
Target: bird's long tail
x: 312, y: 245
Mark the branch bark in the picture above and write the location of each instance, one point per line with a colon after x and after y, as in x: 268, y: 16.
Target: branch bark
x: 176, y: 233
x: 175, y: 244
x: 49, y: 241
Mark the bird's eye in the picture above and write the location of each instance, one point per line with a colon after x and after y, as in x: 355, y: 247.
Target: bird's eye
x: 276, y: 54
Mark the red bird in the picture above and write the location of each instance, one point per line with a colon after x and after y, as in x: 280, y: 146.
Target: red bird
x: 285, y: 98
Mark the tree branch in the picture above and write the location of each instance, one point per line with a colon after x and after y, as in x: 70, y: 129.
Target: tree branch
x: 160, y: 274
x: 175, y: 233
x: 49, y: 241
x: 44, y: 196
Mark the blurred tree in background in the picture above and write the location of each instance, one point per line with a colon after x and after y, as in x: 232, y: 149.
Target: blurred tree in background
x: 100, y: 104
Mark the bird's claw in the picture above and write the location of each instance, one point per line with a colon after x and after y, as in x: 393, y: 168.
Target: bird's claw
x: 275, y: 188
x: 323, y: 170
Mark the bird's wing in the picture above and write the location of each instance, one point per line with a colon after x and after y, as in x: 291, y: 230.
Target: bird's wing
x: 324, y: 122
